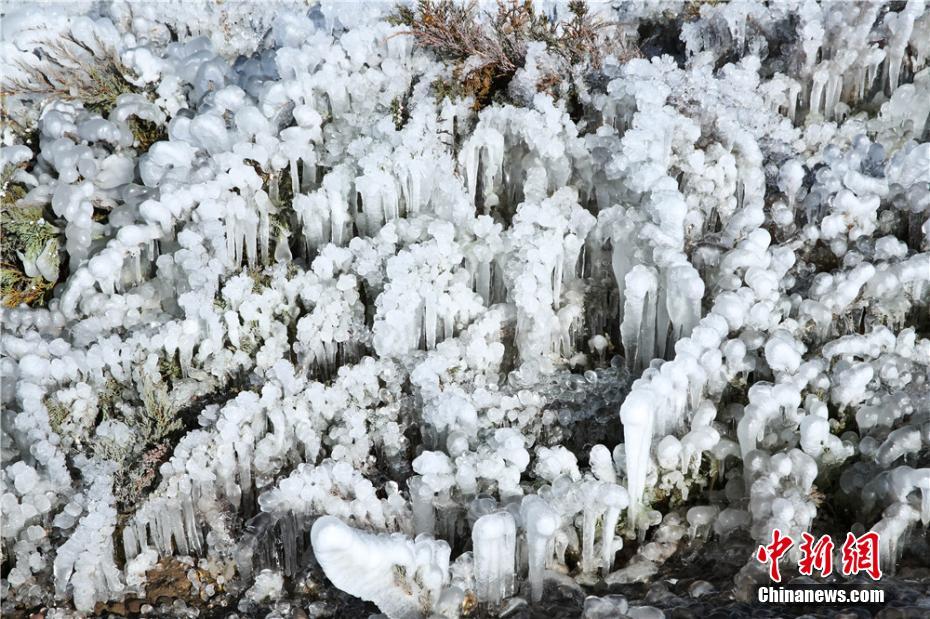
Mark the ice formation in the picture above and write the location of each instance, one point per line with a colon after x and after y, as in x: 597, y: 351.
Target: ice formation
x: 286, y: 300
x: 404, y: 578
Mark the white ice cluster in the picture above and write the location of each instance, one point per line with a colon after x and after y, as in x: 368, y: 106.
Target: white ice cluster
x: 332, y: 318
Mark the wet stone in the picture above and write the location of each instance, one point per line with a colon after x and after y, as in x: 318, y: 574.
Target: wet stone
x: 700, y: 588
x: 657, y: 593
x: 319, y: 610
x: 604, y: 607
x: 645, y: 612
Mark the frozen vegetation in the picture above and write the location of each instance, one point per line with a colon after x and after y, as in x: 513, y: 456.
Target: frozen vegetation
x: 450, y: 307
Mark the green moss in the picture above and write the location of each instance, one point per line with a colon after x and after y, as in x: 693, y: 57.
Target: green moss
x: 260, y: 279
x: 108, y: 398
x: 75, y: 71
x: 18, y: 289
x: 106, y: 83
x: 11, y: 192
x: 170, y: 368
x: 26, y: 234
x: 284, y: 191
x: 280, y: 224
x: 25, y: 230
x: 57, y: 413
x: 160, y: 416
x: 145, y: 133
x: 400, y: 114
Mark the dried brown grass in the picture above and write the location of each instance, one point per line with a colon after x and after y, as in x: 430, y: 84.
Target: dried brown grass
x: 488, y: 47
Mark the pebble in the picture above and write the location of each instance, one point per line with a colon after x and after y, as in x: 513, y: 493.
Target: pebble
x: 700, y: 588
x: 317, y: 610
x: 604, y: 607
x: 904, y: 612
x: 645, y: 612
x: 657, y: 593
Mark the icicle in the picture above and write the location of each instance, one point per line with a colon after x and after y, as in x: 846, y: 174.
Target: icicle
x: 225, y: 473
x: 637, y: 331
x: 244, y: 459
x: 274, y: 188
x: 191, y: 530
x: 390, y: 201
x: 157, y: 530
x: 141, y: 534
x: 288, y: 527
x: 417, y: 185
x: 169, y: 525
x: 663, y: 324
x: 621, y: 261
x: 429, y: 318
x: 602, y: 464
x: 282, y: 249
x: 557, y: 280
x: 448, y: 514
x: 794, y: 91
x: 615, y: 499
x: 832, y: 95
x: 231, y: 319
x: 250, y: 236
x: 471, y: 152
x: 749, y: 430
x: 130, y: 543
x: 295, y: 177
x: 263, y: 207
x: 338, y: 187
x: 308, y: 174
x: 900, y: 26
x: 892, y: 530
x: 694, y: 444
x: 483, y: 280
x: 189, y: 337
x: 493, y: 166
x: 313, y: 214
x: 494, y: 542
x: 484, y: 152
x: 685, y: 292
x: 340, y: 219
x: 232, y: 240
x: 637, y: 417
x: 721, y: 451
x: 132, y: 269
x: 379, y: 199
x: 591, y: 511
x: 421, y: 497
x: 700, y: 519
x: 820, y: 80
x: 541, y: 522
